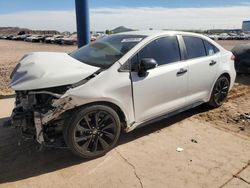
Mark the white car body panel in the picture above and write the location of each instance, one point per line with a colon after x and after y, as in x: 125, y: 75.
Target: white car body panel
x: 109, y: 86
x: 49, y: 69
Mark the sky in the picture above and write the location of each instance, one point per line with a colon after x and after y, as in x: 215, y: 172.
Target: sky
x: 137, y: 14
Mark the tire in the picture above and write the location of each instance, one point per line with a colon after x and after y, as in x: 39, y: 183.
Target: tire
x: 220, y: 92
x: 92, y: 131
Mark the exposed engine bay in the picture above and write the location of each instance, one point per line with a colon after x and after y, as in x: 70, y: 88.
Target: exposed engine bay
x: 40, y: 81
x: 33, y: 112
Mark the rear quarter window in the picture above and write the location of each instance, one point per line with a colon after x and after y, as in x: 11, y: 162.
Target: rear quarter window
x: 210, y: 48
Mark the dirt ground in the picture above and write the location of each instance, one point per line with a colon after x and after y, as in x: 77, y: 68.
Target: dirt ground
x: 216, y: 145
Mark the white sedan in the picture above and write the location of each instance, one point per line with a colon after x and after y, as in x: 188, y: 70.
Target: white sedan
x: 84, y: 99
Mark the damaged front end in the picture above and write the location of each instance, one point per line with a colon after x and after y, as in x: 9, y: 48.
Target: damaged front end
x: 40, y: 80
x: 39, y: 114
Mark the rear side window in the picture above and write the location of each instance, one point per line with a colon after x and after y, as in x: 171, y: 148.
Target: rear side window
x: 195, y: 47
x: 164, y: 50
x: 210, y: 49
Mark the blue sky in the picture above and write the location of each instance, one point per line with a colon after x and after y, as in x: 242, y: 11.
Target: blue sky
x: 137, y: 14
x: 7, y: 6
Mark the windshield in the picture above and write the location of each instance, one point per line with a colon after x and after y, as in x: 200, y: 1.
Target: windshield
x: 106, y: 51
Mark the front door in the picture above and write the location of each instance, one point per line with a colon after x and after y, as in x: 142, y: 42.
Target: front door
x: 164, y: 88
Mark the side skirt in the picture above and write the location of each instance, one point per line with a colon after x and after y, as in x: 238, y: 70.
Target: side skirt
x: 136, y: 125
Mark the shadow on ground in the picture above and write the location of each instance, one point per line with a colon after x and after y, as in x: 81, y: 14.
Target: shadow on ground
x: 25, y: 161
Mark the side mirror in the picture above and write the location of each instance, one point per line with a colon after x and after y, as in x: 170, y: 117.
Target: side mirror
x: 146, y: 64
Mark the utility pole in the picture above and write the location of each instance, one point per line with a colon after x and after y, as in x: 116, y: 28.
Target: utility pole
x: 82, y: 22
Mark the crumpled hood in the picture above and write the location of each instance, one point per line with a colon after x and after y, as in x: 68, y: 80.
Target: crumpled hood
x: 48, y: 69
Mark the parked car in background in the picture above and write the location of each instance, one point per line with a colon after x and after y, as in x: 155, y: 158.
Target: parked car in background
x: 23, y: 37
x: 71, y: 40
x: 39, y: 38
x: 35, y: 38
x: 9, y: 37
x: 242, y: 58
x: 233, y: 36
x: 58, y: 39
x: 230, y: 36
x: 54, y: 39
x: 119, y: 82
x: 30, y: 38
x: 243, y: 36
x: 213, y: 37
x: 3, y: 37
x: 15, y: 37
x: 222, y: 36
x: 48, y: 39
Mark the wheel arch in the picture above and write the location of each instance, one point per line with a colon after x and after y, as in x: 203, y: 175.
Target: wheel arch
x: 226, y: 74
x: 220, y: 75
x: 115, y: 107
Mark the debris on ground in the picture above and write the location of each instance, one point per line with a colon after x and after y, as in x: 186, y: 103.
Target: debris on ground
x: 194, y: 141
x: 242, y: 128
x: 179, y: 149
x: 245, y: 116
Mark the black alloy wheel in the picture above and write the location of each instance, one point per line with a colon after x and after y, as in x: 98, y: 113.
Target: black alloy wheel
x: 92, y: 131
x: 220, y: 92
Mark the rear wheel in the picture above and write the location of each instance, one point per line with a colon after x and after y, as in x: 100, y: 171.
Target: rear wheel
x: 220, y: 92
x: 92, y: 131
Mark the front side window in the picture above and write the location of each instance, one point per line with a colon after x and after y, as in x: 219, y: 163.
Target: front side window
x: 106, y: 51
x: 164, y: 50
x: 210, y: 49
x: 194, y: 46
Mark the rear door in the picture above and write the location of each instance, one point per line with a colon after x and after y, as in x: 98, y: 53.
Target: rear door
x: 164, y: 88
x: 203, y: 59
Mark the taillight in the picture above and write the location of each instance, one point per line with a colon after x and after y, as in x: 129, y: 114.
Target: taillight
x: 233, y: 57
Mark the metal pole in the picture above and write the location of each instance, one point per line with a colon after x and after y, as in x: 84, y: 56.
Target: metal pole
x: 82, y: 22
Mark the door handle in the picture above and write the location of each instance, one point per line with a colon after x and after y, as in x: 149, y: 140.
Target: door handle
x: 181, y: 71
x: 212, y: 63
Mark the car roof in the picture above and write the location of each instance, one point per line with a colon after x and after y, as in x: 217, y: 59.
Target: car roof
x: 158, y: 33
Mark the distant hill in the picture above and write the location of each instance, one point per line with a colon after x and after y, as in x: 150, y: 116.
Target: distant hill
x: 121, y: 29
x: 17, y: 30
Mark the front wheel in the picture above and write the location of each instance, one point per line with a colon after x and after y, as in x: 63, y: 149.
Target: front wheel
x: 220, y: 92
x: 92, y: 131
